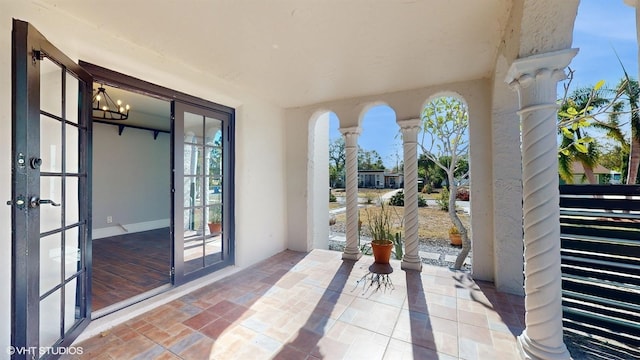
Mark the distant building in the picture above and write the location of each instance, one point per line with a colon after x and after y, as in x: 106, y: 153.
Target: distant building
x: 379, y: 179
x: 602, y: 174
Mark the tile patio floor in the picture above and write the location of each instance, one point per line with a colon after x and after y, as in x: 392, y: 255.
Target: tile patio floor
x: 310, y: 306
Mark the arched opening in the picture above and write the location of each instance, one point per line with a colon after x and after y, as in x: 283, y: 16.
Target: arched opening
x: 378, y: 160
x: 380, y: 150
x: 444, y: 159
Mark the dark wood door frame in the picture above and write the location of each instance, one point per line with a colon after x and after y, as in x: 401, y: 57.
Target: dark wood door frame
x: 28, y: 48
x: 129, y: 83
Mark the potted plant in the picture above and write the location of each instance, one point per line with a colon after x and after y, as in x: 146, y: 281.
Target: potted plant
x: 215, y: 219
x: 397, y: 244
x: 454, y: 236
x: 380, y: 228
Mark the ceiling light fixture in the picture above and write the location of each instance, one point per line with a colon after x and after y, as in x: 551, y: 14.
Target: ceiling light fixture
x: 105, y: 108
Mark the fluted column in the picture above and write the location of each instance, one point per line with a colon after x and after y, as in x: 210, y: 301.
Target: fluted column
x: 535, y: 78
x: 351, y: 250
x: 410, y: 129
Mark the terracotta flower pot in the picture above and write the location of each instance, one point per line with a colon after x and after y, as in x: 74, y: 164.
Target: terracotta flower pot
x: 381, y: 251
x: 456, y: 239
x: 215, y: 228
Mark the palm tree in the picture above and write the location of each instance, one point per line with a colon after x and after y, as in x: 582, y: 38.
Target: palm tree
x: 631, y: 91
x: 576, y: 145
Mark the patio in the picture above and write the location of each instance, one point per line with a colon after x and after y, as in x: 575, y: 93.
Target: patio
x: 311, y: 306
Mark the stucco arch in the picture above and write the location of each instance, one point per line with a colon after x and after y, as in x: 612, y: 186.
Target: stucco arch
x: 364, y: 109
x: 446, y: 93
x: 318, y: 179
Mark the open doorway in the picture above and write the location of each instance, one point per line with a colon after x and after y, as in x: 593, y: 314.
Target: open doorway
x: 131, y: 199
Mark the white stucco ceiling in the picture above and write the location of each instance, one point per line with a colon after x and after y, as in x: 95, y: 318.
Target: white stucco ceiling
x: 297, y: 53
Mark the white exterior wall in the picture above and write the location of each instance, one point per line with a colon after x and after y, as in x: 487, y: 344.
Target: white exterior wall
x: 259, y: 141
x: 581, y: 179
x: 319, y: 182
x: 297, y: 150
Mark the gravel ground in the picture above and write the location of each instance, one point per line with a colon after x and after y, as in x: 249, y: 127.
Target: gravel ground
x: 438, y: 246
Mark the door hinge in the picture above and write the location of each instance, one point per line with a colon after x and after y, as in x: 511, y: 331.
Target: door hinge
x: 36, y: 55
x: 173, y: 271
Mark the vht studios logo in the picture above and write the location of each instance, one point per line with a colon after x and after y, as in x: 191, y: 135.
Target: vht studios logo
x: 44, y: 350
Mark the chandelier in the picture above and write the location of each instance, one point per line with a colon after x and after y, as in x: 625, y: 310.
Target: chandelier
x: 105, y: 108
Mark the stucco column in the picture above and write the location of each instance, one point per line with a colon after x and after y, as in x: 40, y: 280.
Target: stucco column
x: 410, y: 129
x: 535, y: 78
x: 351, y: 250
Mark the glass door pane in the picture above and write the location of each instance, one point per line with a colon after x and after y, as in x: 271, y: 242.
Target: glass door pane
x: 60, y: 246
x: 200, y: 206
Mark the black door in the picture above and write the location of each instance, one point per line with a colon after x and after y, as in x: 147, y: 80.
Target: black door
x: 51, y: 226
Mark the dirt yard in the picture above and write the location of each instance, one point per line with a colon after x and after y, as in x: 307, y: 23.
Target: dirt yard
x: 434, y: 224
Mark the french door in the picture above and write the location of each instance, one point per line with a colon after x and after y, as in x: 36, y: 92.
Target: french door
x: 51, y: 149
x: 202, y: 221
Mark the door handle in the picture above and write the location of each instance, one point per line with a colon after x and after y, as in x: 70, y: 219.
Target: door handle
x: 35, y: 202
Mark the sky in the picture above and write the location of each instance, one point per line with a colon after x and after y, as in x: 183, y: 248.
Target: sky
x: 602, y: 28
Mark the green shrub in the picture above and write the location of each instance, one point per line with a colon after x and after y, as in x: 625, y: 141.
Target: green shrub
x: 421, y: 201
x: 443, y: 200
x: 398, y: 200
x: 332, y: 198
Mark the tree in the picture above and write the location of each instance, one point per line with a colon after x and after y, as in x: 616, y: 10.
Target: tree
x: 430, y: 171
x: 631, y: 92
x: 337, y: 159
x: 445, y: 124
x: 576, y: 144
x: 614, y: 157
x: 584, y: 110
x: 369, y: 160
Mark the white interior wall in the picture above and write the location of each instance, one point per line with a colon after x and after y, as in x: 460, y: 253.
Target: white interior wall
x: 260, y: 169
x: 131, y: 180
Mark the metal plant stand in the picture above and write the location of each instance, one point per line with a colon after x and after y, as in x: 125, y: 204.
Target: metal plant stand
x: 377, y: 278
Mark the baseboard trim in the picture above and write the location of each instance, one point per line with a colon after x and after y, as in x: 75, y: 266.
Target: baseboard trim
x: 121, y: 229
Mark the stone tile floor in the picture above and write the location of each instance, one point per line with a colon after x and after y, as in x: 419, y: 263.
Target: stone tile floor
x: 311, y: 306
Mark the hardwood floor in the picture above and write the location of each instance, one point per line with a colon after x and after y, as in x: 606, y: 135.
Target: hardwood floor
x: 129, y: 265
